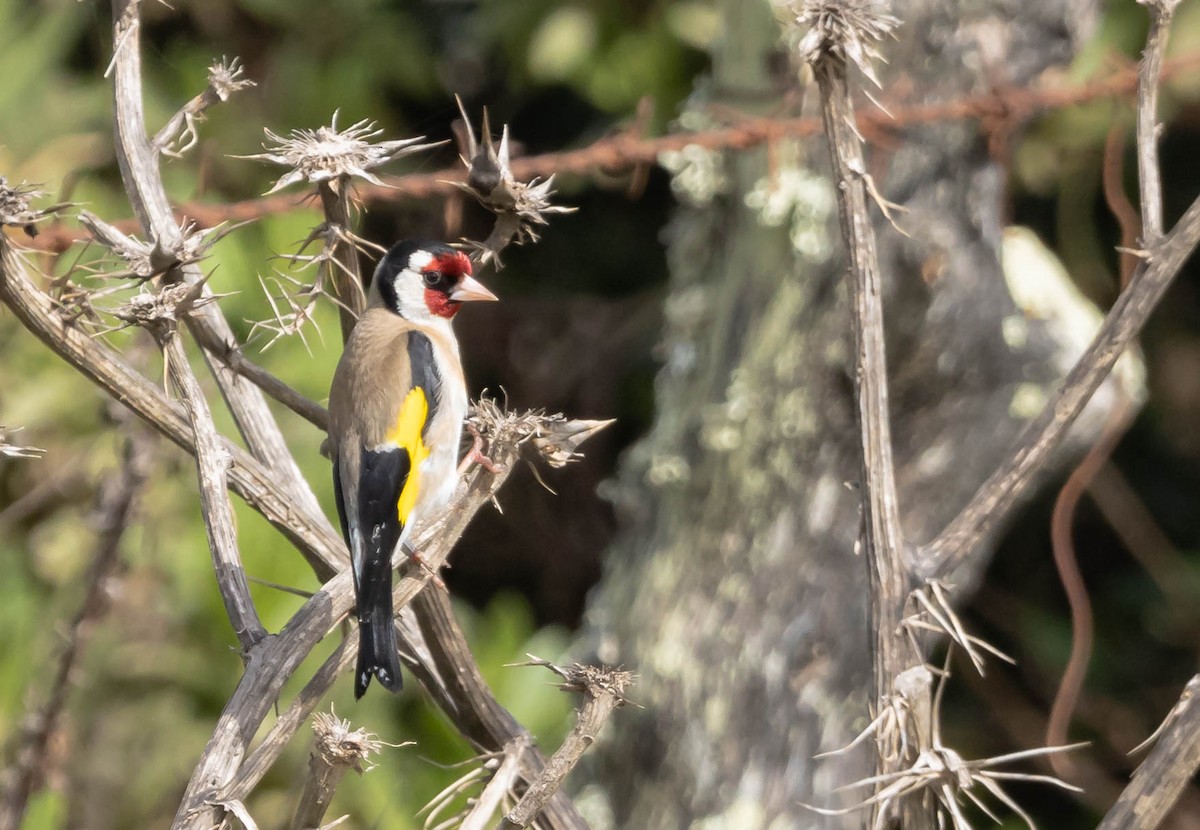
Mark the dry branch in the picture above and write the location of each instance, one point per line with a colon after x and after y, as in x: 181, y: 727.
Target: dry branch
x: 1167, y: 770
x: 264, y: 756
x: 603, y: 689
x: 493, y: 795
x: 342, y: 265
x: 212, y: 463
x: 1149, y: 71
x: 994, y: 500
x: 336, y: 749
x: 882, y: 539
x: 138, y: 159
x: 309, y: 530
x: 474, y: 712
x: 231, y: 355
x: 839, y: 35
x: 179, y: 134
x: 269, y: 667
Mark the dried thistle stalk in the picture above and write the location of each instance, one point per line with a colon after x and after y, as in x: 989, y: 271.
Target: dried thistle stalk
x: 849, y: 30
x: 519, y: 206
x: 938, y: 771
x: 329, y: 153
x: 329, y: 159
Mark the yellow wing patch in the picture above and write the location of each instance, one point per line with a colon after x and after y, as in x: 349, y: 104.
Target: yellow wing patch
x: 406, y: 434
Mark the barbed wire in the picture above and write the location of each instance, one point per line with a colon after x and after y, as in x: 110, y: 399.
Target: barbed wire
x: 997, y: 111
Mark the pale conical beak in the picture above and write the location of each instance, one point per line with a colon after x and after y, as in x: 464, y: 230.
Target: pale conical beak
x: 471, y: 289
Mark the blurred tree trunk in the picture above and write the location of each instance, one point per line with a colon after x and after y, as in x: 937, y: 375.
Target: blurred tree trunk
x: 733, y: 588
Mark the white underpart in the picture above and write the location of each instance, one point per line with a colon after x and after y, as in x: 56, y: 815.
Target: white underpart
x: 442, y: 464
x: 439, y: 470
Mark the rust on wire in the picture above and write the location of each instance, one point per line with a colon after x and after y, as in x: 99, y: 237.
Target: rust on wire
x: 627, y: 150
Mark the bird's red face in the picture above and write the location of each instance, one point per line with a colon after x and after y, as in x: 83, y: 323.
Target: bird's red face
x: 448, y: 284
x: 426, y: 281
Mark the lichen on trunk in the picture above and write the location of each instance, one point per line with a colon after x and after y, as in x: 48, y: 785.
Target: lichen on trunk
x: 733, y: 590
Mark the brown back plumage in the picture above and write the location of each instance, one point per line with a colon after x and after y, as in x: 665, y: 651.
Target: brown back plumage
x: 371, y: 380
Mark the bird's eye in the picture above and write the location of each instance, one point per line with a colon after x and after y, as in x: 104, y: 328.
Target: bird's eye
x: 436, y: 279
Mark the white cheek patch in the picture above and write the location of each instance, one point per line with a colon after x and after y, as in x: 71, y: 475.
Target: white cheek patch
x: 410, y: 294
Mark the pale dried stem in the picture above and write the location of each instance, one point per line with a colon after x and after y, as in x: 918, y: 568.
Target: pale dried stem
x: 224, y: 79
x: 343, y: 268
x: 503, y: 780
x: 249, y: 478
x: 138, y: 159
x: 882, y: 539
x: 1160, y: 779
x: 336, y: 749
x: 264, y: 756
x: 232, y: 356
x: 1149, y: 72
x: 212, y: 464
x: 474, y: 712
x: 603, y: 690
x: 320, y: 783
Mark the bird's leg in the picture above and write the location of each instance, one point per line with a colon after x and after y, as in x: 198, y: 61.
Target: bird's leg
x: 475, y: 455
x: 417, y: 559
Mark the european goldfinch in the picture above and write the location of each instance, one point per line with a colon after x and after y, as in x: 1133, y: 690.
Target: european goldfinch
x: 396, y: 410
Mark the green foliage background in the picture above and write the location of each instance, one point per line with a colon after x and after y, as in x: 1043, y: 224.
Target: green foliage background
x: 161, y: 664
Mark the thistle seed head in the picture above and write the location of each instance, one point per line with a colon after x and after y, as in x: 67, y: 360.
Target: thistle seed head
x: 329, y: 153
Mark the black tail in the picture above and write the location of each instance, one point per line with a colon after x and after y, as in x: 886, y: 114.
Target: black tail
x: 377, y: 653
